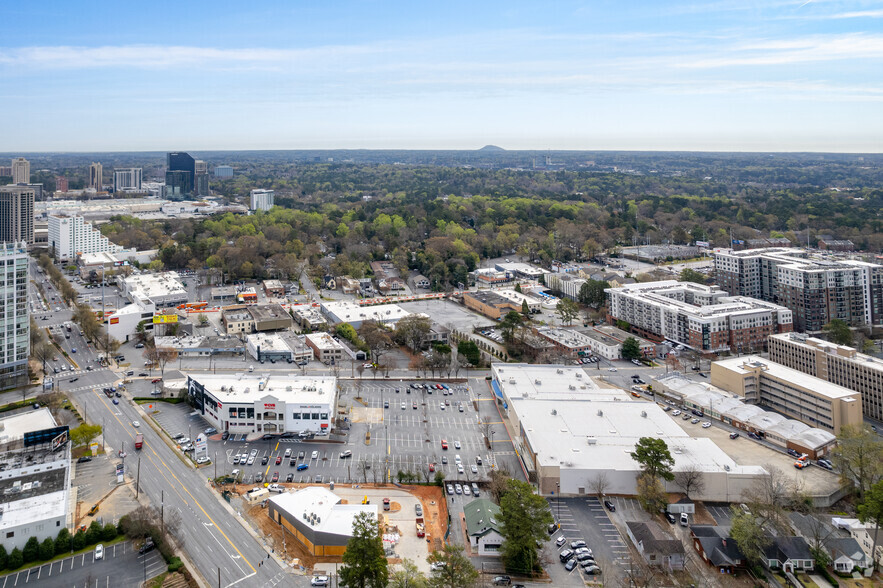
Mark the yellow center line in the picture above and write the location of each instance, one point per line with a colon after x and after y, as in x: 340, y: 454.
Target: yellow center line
x: 183, y: 487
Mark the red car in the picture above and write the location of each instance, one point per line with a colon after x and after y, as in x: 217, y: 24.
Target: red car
x: 444, y: 444
x: 278, y: 461
x: 156, y: 380
x: 431, y: 467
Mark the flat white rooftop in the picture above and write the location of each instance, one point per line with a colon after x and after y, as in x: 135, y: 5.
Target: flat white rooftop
x: 35, y: 508
x: 13, y: 428
x: 521, y: 381
x: 246, y: 388
x: 348, y: 311
x: 786, y: 374
x: 324, y: 341
x: 332, y: 517
x: 269, y: 342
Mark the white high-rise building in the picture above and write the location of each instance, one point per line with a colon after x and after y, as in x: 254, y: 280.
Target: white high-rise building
x: 71, y: 235
x: 127, y: 179
x: 262, y: 199
x: 21, y: 171
x: 14, y: 323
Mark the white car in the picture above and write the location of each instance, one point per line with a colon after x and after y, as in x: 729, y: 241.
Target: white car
x: 202, y: 459
x: 456, y: 445
x: 136, y: 424
x: 460, y: 468
x: 474, y: 469
x: 319, y: 581
x: 676, y: 413
x: 457, y: 458
x: 315, y: 455
x: 706, y: 424
x: 99, y: 552
x: 611, y: 369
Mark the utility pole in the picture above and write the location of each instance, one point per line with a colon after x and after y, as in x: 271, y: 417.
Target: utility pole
x: 138, y: 479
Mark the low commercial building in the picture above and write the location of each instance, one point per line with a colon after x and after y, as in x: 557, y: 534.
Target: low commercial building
x: 833, y: 363
x: 163, y: 290
x: 279, y: 347
x: 326, y: 348
x: 568, y: 342
x: 534, y: 305
x: 274, y: 288
x: 792, y: 393
x: 317, y: 518
x: 247, y: 403
x: 490, y: 304
x: 202, y: 346
x: 269, y: 317
x: 569, y: 432
x: 648, y: 348
x: 602, y: 345
x: 346, y: 311
x: 520, y: 270
x: 223, y: 295
x: 700, y: 317
x: 488, y: 276
x: 237, y: 319
x: 35, y: 483
x: 714, y: 403
x: 483, y: 525
x: 309, y: 317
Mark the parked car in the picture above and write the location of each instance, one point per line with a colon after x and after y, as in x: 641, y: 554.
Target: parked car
x: 577, y: 544
x: 609, y: 506
x: 565, y: 555
x: 671, y: 518
x: 734, y: 435
x: 302, y: 467
x: 502, y: 581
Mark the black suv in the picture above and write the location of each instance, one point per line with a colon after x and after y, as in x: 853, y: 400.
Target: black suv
x: 148, y: 546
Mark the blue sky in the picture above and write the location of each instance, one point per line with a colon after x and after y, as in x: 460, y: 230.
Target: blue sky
x: 746, y: 75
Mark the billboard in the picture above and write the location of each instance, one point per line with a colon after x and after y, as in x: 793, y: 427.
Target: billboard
x: 46, y: 436
x: 114, y: 320
x: 159, y: 319
x: 200, y: 443
x: 705, y: 244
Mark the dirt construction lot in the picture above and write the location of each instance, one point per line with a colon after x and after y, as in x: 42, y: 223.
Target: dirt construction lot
x: 400, y: 520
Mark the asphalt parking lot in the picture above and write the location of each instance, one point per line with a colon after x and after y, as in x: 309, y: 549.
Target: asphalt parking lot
x: 406, y: 440
x: 586, y: 518
x: 122, y: 566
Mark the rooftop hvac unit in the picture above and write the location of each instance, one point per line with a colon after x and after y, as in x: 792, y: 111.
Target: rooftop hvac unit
x: 559, y: 371
x: 511, y: 380
x: 288, y: 388
x: 592, y: 441
x: 579, y: 375
x: 318, y: 519
x: 223, y: 388
x: 600, y: 412
x: 644, y: 414
x: 554, y: 412
x: 537, y: 382
x: 572, y: 387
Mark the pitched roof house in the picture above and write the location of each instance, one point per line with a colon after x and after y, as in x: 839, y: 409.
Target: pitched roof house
x: 716, y: 547
x: 656, y: 546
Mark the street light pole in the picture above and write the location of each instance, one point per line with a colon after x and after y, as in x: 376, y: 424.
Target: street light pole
x: 558, y: 502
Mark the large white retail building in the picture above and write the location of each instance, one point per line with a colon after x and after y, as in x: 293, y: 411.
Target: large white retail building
x: 569, y: 432
x: 250, y: 403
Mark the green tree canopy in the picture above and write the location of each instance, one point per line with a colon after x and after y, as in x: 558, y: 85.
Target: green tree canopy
x: 469, y: 350
x: 83, y: 434
x: 591, y: 293
x: 654, y: 457
x: 455, y: 571
x: 364, y: 562
x: 691, y: 275
x: 510, y: 324
x: 838, y: 332
x: 567, y: 310
x: 524, y: 517
x: 631, y: 349
x: 859, y: 457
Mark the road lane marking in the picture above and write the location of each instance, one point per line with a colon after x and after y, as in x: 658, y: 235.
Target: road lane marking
x: 183, y: 487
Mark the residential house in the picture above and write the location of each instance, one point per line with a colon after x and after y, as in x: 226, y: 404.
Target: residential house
x: 863, y: 533
x: 790, y: 554
x: 421, y: 281
x: 483, y: 526
x: 657, y: 547
x: 715, y: 546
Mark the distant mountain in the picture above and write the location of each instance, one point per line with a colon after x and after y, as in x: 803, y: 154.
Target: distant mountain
x: 491, y: 148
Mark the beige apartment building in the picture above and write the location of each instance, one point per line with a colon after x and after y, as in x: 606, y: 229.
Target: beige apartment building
x: 833, y: 363
x: 792, y: 393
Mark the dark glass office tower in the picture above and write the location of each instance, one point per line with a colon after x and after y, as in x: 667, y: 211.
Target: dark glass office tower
x: 182, y: 162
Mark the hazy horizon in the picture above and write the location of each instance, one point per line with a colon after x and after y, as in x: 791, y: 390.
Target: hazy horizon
x: 785, y: 76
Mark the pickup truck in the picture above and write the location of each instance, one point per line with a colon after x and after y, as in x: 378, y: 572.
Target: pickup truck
x: 421, y: 528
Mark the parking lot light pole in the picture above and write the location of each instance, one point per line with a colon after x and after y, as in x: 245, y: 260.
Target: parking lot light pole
x: 558, y: 502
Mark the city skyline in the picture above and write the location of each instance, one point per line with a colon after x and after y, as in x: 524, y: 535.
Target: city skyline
x: 719, y: 76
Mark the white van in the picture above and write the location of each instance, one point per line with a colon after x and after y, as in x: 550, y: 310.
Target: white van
x: 251, y: 368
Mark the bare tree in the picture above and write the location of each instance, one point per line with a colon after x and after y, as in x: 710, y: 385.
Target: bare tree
x: 599, y: 483
x: 690, y: 479
x: 768, y: 496
x: 363, y: 468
